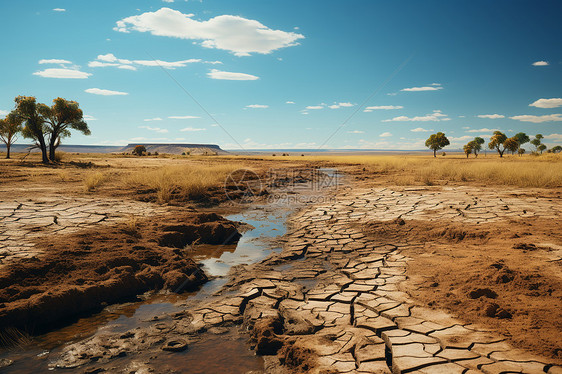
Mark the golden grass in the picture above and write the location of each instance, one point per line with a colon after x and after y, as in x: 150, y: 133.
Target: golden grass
x: 190, y: 181
x: 527, y: 171
x: 94, y: 179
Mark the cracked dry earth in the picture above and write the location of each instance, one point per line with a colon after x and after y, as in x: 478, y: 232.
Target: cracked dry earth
x: 23, y: 221
x: 330, y: 302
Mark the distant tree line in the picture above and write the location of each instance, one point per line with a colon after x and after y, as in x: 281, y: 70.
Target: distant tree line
x: 44, y: 125
x: 499, y: 141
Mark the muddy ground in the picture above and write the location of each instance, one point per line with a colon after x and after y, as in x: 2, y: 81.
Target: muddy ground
x: 444, y: 279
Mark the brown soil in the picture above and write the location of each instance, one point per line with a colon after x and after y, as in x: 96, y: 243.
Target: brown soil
x: 505, y: 276
x: 81, y: 272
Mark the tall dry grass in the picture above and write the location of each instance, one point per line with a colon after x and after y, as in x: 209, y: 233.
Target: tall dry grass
x: 94, y: 179
x: 189, y: 181
x: 527, y: 171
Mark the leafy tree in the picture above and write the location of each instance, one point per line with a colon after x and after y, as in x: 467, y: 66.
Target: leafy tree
x: 541, y: 148
x: 139, y: 150
x: 557, y: 149
x: 477, y: 145
x: 521, y: 138
x: 436, y: 142
x: 496, y: 142
x: 511, y: 145
x: 9, y: 129
x: 467, y: 148
x: 537, y: 141
x: 34, y: 123
x: 520, y: 151
x: 60, y: 118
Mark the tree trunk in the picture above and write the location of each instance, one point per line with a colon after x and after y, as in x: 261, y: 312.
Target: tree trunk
x: 8, y: 150
x: 43, y: 147
x: 435, y: 153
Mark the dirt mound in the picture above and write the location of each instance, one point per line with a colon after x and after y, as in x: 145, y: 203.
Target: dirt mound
x: 84, y: 271
x: 485, y: 274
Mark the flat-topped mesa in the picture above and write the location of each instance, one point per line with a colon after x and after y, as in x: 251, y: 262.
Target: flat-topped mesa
x: 178, y: 148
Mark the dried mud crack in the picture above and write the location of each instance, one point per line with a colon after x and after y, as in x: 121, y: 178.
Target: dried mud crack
x: 339, y: 297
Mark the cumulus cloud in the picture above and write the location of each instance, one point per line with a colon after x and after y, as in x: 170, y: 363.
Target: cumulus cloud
x: 557, y: 137
x: 383, y: 107
x: 547, y: 103
x: 483, y: 130
x: 435, y: 116
x: 420, y: 129
x: 236, y: 34
x: 155, y: 129
x: 461, y: 138
x: 227, y: 75
x: 340, y: 105
x: 191, y: 129
x: 59, y: 10
x: 289, y: 102
x: 431, y: 87
x: 110, y: 59
x: 491, y: 116
x: 315, y: 107
x: 257, y: 106
x: 183, y: 117
x: 54, y: 61
x: 538, y: 119
x: 99, y: 91
x: 385, y: 135
x: 62, y: 73
x: 540, y: 63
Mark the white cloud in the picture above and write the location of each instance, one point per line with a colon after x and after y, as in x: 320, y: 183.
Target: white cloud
x: 289, y: 102
x: 4, y: 112
x: 385, y: 135
x: 168, y: 1
x: 432, y: 87
x: 183, y: 117
x: 152, y: 119
x: 110, y: 59
x: 54, y: 61
x: 99, y: 91
x: 538, y: 119
x: 547, y: 103
x: 62, y: 74
x: 435, y: 116
x: 540, y: 63
x: 483, y: 130
x: 383, y: 107
x: 315, y: 107
x: 231, y: 33
x: 461, y: 138
x: 59, y: 10
x: 257, y: 106
x: 420, y: 129
x: 340, y: 105
x: 155, y: 129
x: 191, y: 129
x: 89, y: 118
x: 356, y: 132
x: 491, y: 116
x: 557, y: 137
x: 227, y: 75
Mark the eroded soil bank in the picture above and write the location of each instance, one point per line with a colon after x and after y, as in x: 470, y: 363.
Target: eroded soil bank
x: 83, y: 271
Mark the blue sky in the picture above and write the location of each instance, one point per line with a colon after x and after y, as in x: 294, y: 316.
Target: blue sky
x: 289, y: 74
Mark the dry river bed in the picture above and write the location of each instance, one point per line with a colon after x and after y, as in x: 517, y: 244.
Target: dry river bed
x: 331, y: 301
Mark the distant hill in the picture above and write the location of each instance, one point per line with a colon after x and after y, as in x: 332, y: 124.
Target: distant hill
x: 178, y: 149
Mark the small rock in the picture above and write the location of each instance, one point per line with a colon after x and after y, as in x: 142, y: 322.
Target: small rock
x: 479, y: 292
x: 176, y: 345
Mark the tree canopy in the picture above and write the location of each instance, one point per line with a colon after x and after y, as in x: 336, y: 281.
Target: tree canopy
x: 34, y: 123
x: 496, y: 142
x: 436, y: 142
x: 511, y: 145
x: 9, y: 130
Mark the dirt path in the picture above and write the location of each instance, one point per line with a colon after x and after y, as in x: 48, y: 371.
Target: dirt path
x: 332, y: 300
